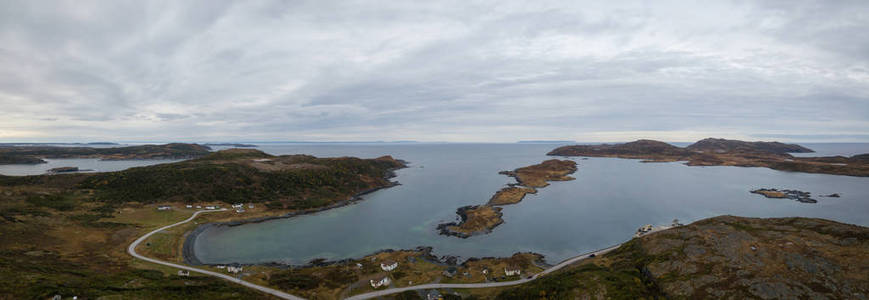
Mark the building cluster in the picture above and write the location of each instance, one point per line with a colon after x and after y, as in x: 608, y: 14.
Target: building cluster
x: 644, y: 229
x: 388, y: 265
x: 512, y: 270
x: 231, y: 269
x: 382, y: 282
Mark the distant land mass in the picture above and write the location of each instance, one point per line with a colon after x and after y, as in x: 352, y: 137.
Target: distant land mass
x: 230, y: 145
x: 721, y: 152
x: 35, y: 154
x: 546, y: 142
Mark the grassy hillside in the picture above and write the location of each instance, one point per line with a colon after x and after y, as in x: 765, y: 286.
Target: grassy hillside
x: 67, y: 234
x: 293, y: 181
x: 722, y: 257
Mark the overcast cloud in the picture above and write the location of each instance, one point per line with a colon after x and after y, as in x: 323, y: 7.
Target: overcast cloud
x: 433, y: 70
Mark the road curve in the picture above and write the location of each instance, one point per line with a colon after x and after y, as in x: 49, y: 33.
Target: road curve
x: 554, y: 268
x: 132, y: 251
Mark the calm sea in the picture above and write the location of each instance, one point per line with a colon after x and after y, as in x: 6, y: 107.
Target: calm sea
x: 605, y: 205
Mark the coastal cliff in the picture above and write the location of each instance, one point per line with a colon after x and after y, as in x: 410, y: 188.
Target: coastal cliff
x: 721, y: 152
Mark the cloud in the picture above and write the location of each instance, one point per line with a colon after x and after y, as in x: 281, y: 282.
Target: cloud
x: 458, y: 71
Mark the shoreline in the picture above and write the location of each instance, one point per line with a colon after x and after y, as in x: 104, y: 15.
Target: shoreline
x: 188, y: 248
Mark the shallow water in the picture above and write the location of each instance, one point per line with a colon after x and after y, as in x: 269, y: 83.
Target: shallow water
x: 604, y: 206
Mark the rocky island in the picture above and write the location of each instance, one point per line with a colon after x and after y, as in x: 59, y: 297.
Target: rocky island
x: 721, y: 152
x: 35, y: 154
x: 799, y: 196
x: 481, y: 219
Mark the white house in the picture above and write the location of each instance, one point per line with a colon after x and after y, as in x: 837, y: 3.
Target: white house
x: 199, y: 206
x: 232, y: 269
x: 188, y: 206
x: 250, y: 205
x: 183, y: 273
x: 510, y: 271
x: 388, y: 265
x: 164, y: 207
x: 209, y: 207
x: 382, y: 282
x: 237, y: 205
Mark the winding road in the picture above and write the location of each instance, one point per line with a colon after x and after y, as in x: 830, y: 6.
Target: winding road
x: 554, y: 268
x: 132, y: 251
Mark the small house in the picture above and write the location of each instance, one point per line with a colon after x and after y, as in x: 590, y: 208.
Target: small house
x: 239, y: 210
x: 232, y: 269
x: 250, y: 205
x: 450, y: 272
x: 188, y: 206
x: 237, y: 205
x: 210, y: 207
x: 388, y: 265
x: 378, y: 283
x: 183, y: 273
x: 199, y: 206
x: 164, y: 207
x: 434, y: 295
x: 512, y: 270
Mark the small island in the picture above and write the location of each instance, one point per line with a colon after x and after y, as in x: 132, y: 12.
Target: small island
x: 799, y: 196
x: 722, y: 152
x: 481, y: 219
x: 62, y: 170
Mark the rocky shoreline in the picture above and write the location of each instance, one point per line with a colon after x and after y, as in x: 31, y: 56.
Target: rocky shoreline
x: 445, y: 228
x: 799, y: 196
x: 482, y: 219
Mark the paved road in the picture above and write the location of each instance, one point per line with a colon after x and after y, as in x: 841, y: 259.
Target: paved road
x: 132, y: 251
x: 554, y: 268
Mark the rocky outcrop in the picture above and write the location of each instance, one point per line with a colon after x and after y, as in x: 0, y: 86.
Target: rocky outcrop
x: 724, y: 257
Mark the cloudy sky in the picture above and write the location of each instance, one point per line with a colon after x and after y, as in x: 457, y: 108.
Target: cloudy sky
x: 495, y: 71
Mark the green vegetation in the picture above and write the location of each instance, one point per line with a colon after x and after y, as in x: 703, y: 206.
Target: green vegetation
x: 67, y: 234
x: 40, y: 275
x: 721, y: 257
x: 297, y: 182
x: 61, y: 202
x: 33, y: 154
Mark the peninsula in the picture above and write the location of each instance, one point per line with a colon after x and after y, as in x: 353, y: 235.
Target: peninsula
x: 721, y: 152
x: 36, y: 154
x: 67, y: 234
x: 481, y: 219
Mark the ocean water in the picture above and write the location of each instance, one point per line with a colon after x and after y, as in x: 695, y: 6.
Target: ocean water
x: 94, y: 164
x: 607, y: 202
